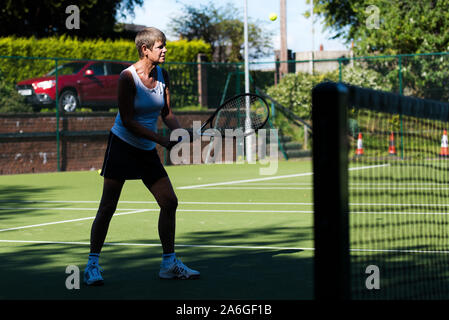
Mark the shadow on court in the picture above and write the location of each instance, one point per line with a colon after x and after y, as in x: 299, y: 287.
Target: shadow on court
x: 34, y: 271
x: 37, y: 271
x: 18, y: 196
x: 18, y: 193
x: 402, y: 276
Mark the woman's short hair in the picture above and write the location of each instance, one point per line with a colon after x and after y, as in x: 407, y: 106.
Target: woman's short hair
x: 148, y: 37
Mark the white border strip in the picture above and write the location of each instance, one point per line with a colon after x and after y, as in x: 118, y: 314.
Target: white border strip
x: 399, y: 213
x: 254, y: 188
x: 245, y: 181
x: 156, y: 210
x: 66, y: 221
x: 311, y: 188
x: 221, y: 246
x: 210, y: 203
x: 154, y: 245
x: 272, y: 178
x: 154, y: 202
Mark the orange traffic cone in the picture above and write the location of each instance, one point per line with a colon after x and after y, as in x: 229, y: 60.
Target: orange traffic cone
x: 392, y: 148
x: 444, y: 152
x: 359, y: 150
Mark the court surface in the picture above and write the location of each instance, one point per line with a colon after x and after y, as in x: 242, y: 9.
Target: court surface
x: 249, y: 235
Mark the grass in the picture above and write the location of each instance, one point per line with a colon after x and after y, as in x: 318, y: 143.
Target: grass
x: 399, y: 223
x: 249, y: 240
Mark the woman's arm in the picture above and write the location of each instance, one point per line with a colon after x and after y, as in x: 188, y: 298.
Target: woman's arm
x: 167, y: 115
x: 126, y: 94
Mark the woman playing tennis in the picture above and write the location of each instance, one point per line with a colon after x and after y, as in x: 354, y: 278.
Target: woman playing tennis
x: 143, y: 95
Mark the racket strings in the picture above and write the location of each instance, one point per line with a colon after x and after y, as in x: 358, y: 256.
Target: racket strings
x: 234, y: 114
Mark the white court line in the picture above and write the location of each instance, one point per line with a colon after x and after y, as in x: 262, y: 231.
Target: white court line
x: 402, y: 188
x: 220, y: 203
x: 401, y: 204
x: 369, y: 167
x: 272, y: 178
x: 154, y: 202
x: 154, y: 245
x: 156, y: 210
x: 280, y: 184
x: 49, y: 201
x: 178, y: 210
x: 254, y: 188
x: 397, y: 184
x: 247, y: 180
x: 52, y: 208
x: 401, y: 251
x: 247, y: 203
x: 399, y: 213
x: 350, y: 184
x: 243, y: 211
x: 220, y: 246
x: 66, y: 221
x: 220, y: 211
x: 311, y: 187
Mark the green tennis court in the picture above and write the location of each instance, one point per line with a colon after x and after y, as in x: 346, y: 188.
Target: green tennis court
x: 399, y: 223
x: 250, y: 235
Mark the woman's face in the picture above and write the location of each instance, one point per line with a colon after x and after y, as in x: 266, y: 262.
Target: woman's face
x: 157, y: 54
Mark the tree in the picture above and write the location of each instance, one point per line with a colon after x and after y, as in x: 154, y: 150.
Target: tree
x: 404, y: 26
x: 222, y: 28
x: 392, y: 27
x: 43, y: 18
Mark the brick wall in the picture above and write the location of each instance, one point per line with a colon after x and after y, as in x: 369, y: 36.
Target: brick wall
x: 28, y: 141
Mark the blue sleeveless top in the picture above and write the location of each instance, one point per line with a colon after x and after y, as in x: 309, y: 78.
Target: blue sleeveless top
x: 147, y: 106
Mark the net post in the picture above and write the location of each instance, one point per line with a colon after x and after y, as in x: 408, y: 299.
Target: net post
x: 330, y: 179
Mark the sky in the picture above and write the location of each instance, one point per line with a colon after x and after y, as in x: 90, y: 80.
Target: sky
x: 158, y: 13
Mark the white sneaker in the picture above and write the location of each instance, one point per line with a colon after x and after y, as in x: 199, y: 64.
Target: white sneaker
x: 177, y: 270
x: 92, y: 275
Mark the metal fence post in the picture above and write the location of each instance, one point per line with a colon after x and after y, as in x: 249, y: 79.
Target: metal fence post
x: 58, y: 150
x: 401, y: 93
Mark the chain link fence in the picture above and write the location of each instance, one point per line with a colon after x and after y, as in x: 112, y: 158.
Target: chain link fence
x: 59, y: 89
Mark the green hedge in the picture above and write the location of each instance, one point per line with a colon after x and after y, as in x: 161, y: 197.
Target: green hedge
x: 17, y: 69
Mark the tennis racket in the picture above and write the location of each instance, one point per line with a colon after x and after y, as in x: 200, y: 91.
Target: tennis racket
x: 246, y: 113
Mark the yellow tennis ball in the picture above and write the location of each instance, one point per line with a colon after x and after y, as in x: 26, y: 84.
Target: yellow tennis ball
x: 273, y: 16
x: 99, y: 171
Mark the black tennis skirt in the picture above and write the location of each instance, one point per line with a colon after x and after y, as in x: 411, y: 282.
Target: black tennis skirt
x: 123, y: 161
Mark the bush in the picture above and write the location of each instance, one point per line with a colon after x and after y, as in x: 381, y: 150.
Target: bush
x: 39, y: 50
x: 294, y: 91
x: 11, y: 100
x: 35, y: 57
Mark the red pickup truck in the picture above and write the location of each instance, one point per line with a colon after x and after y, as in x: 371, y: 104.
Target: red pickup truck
x: 90, y: 84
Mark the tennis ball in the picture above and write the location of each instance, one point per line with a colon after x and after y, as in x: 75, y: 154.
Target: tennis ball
x: 273, y: 16
x: 99, y: 171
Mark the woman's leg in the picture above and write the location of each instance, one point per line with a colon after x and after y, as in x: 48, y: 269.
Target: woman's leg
x: 165, y: 196
x: 171, y: 268
x: 108, y: 204
x: 111, y: 194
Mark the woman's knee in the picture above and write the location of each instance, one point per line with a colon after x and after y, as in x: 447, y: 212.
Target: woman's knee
x: 111, y: 194
x: 107, y: 208
x: 169, y: 203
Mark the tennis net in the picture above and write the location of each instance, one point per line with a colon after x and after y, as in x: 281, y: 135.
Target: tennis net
x: 391, y: 193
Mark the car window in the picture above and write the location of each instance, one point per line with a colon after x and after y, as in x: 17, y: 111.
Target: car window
x: 68, y: 68
x: 98, y: 69
x: 116, y: 68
